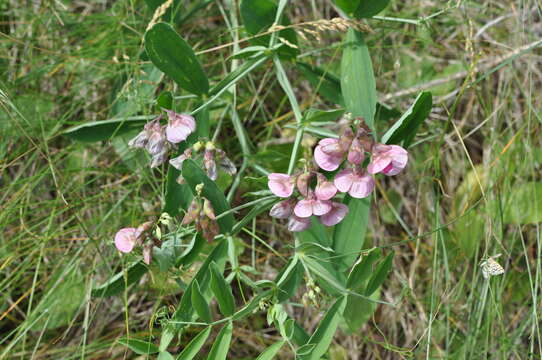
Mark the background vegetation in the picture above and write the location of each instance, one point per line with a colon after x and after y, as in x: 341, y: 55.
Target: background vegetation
x: 472, y: 188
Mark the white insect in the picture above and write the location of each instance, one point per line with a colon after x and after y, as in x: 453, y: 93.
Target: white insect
x: 490, y: 267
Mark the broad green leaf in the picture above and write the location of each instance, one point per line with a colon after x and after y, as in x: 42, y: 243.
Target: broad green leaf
x: 379, y: 275
x: 170, y: 53
x: 178, y: 196
x: 315, y: 234
x: 289, y: 279
x: 258, y: 16
x: 249, y: 308
x: 404, y: 130
x: 524, y: 205
x: 326, y: 330
x: 164, y: 355
x: 222, y: 291
x: 200, y: 304
x: 164, y: 255
x: 349, y: 6
x: 362, y: 270
x: 219, y: 351
x: 192, y: 250
x: 194, y: 346
x: 316, y: 116
x: 296, y: 333
x: 357, y: 78
x: 349, y: 234
x: 105, y: 129
x: 271, y: 351
x: 117, y: 283
x: 328, y: 274
x: 140, y: 347
x: 194, y: 175
x: 359, y: 310
x: 369, y: 8
x: 164, y: 101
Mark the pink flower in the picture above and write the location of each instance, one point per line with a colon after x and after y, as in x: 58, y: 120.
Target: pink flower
x: 355, y: 183
x: 388, y: 159
x: 328, y: 154
x: 281, y: 185
x: 335, y: 215
x: 125, y: 239
x: 179, y: 127
x: 356, y: 155
x: 298, y: 224
x: 325, y: 189
x: 310, y: 206
x: 283, y: 209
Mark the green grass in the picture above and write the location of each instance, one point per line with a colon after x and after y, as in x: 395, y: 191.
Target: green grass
x: 472, y: 189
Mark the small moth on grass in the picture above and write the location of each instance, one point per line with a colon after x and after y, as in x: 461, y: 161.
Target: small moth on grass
x: 490, y: 267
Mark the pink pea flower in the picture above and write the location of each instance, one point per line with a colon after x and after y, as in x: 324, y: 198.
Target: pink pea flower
x: 125, y: 239
x: 335, y: 215
x: 310, y: 206
x: 282, y: 185
x: 325, y: 189
x: 355, y: 183
x: 328, y: 155
x: 177, y: 162
x: 141, y: 140
x: 388, y: 159
x: 283, y: 209
x: 296, y: 224
x: 356, y: 155
x: 179, y: 127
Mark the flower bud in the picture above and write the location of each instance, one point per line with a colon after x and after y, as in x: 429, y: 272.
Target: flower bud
x: 208, y: 209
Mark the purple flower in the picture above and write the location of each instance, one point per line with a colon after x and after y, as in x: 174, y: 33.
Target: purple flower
x: 328, y: 154
x: 311, y: 206
x: 141, y: 139
x: 325, y: 189
x: 355, y: 183
x: 335, y: 215
x: 177, y: 162
x: 125, y: 239
x: 179, y: 127
x: 282, y: 185
x: 298, y: 224
x: 388, y: 159
x: 283, y: 209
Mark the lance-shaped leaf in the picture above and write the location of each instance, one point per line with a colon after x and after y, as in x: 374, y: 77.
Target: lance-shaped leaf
x: 271, y: 351
x: 200, y: 304
x: 379, y: 275
x: 357, y: 78
x: 194, y: 346
x: 170, y: 53
x: 404, y: 130
x: 219, y: 351
x: 194, y: 176
x: 222, y: 291
x: 369, y: 8
x: 140, y: 347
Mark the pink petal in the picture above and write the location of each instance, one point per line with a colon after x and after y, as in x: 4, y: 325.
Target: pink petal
x: 325, y: 190
x: 125, y: 239
x: 283, y: 209
x: 378, y: 164
x: 399, y: 160
x: 325, y: 161
x: 362, y: 186
x: 320, y: 207
x: 356, y: 154
x: 343, y: 180
x: 303, y: 208
x: 335, y: 215
x: 331, y: 147
x: 298, y: 224
x: 280, y: 184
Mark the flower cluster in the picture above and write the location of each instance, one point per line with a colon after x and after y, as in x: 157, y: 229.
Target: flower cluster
x: 211, y: 157
x: 157, y: 138
x: 316, y: 191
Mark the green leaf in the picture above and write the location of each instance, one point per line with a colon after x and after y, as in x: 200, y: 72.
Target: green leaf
x: 255, y: 211
x: 349, y: 234
x: 327, y: 273
x: 325, y: 83
x: 219, y: 351
x: 380, y: 275
x: 369, y: 8
x: 289, y: 279
x: 194, y: 346
x: 139, y: 346
x: 201, y: 306
x: 178, y: 196
x: 326, y: 330
x: 524, y: 205
x: 357, y: 78
x: 359, y: 310
x: 362, y: 270
x: 105, y: 129
x: 222, y: 291
x: 404, y: 130
x: 271, y: 351
x: 258, y: 16
x: 117, y: 283
x: 194, y: 175
x: 348, y: 6
x: 316, y: 116
x: 172, y: 55
x: 164, y: 101
x: 164, y: 355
